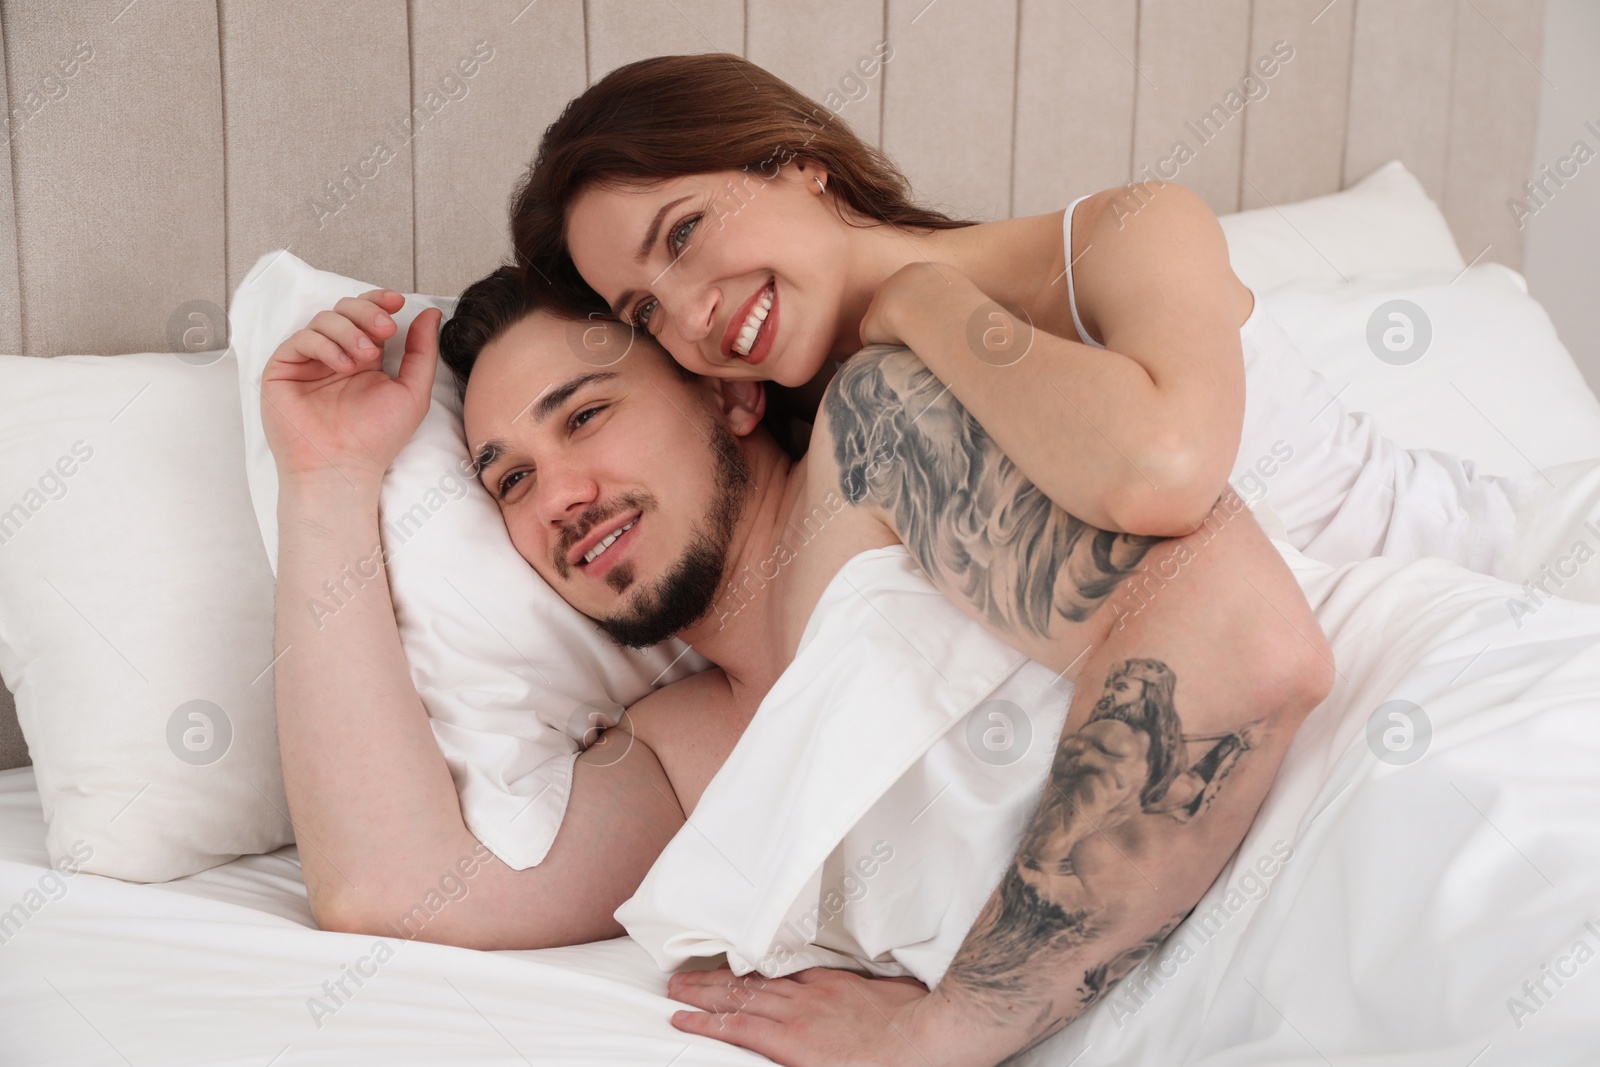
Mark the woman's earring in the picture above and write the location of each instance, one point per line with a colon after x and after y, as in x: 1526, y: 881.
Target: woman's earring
x: 820, y: 186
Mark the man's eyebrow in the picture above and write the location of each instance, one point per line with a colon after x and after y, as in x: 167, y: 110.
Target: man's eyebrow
x: 643, y: 252
x: 488, y: 452
x: 546, y: 405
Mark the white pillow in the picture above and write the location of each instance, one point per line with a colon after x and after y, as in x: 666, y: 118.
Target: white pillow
x: 1384, y: 222
x: 1493, y: 384
x: 136, y: 612
x: 512, y: 676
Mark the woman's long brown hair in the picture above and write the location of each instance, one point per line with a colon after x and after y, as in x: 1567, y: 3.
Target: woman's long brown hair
x: 673, y: 116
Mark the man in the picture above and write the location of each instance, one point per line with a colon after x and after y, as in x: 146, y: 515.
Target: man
x: 637, y: 491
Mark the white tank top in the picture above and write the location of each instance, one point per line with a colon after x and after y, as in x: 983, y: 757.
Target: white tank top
x: 1344, y: 491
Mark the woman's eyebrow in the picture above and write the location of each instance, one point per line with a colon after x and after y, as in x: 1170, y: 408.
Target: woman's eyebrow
x: 643, y: 252
x: 655, y: 228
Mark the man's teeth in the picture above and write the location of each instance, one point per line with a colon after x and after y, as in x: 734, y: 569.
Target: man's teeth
x: 605, y: 542
x: 752, y: 325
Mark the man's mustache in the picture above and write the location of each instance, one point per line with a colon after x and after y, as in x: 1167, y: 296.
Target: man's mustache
x: 594, y: 516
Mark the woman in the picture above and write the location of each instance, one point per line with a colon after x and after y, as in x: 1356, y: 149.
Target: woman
x: 1108, y: 348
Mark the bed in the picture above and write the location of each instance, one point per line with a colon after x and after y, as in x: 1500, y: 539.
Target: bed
x: 1360, y: 936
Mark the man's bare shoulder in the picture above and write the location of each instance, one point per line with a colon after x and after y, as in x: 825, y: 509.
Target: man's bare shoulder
x: 658, y: 715
x: 691, y: 726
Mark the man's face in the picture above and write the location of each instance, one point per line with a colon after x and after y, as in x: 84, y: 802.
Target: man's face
x: 576, y: 454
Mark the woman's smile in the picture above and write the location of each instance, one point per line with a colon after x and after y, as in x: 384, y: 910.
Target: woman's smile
x: 749, y: 333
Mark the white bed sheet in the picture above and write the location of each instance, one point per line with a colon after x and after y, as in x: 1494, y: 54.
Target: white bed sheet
x: 217, y: 969
x: 1387, y: 905
x: 1418, y: 904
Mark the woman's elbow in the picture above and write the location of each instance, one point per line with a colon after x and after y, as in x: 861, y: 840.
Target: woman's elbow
x: 1168, y: 493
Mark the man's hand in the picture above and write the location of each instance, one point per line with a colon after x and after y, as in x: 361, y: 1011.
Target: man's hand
x: 326, y: 402
x: 814, y: 1018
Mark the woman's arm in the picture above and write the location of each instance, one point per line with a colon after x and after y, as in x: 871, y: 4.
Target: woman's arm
x: 1138, y: 437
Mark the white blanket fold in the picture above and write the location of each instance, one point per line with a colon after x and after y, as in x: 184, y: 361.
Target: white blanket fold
x: 1408, y: 888
x: 859, y: 821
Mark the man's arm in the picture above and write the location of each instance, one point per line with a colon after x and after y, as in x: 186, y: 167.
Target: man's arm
x: 1109, y: 860
x: 1194, y: 660
x: 383, y: 845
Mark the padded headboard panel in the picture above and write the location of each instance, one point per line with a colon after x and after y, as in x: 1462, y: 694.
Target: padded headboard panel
x: 194, y: 135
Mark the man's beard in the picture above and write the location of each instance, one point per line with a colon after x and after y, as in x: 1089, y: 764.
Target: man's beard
x: 684, y: 595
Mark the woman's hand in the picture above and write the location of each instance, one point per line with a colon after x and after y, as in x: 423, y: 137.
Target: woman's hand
x: 326, y: 401
x: 907, y: 289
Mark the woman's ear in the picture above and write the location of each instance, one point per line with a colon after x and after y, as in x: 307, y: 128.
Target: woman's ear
x: 743, y: 402
x: 812, y: 176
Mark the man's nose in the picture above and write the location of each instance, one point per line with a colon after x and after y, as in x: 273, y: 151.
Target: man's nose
x: 562, y: 494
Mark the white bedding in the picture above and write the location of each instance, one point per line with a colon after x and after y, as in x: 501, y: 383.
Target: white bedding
x: 1377, y: 912
x: 1415, y: 904
x: 1419, y: 897
x: 218, y: 968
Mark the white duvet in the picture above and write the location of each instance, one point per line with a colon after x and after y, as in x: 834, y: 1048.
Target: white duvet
x: 1432, y: 843
x: 1378, y: 912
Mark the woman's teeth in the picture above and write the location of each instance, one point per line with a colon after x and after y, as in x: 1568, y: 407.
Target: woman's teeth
x: 591, y: 555
x: 752, y: 325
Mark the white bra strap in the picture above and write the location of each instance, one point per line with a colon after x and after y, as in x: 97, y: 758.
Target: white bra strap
x: 1072, y: 300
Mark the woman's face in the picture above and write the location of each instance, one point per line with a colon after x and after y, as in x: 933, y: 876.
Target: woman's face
x: 734, y: 275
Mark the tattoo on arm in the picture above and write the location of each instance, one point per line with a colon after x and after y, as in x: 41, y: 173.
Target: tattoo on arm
x: 977, y: 526
x: 984, y: 533
x: 1099, y: 979
x: 1130, y: 761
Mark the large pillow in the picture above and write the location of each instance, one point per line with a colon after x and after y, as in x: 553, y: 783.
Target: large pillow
x: 1384, y: 222
x: 1463, y: 362
x: 512, y: 676
x: 136, y: 612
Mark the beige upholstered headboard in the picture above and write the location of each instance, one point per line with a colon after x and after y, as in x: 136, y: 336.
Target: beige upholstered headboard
x: 156, y: 148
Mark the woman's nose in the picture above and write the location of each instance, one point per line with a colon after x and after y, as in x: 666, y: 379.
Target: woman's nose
x: 699, y: 314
